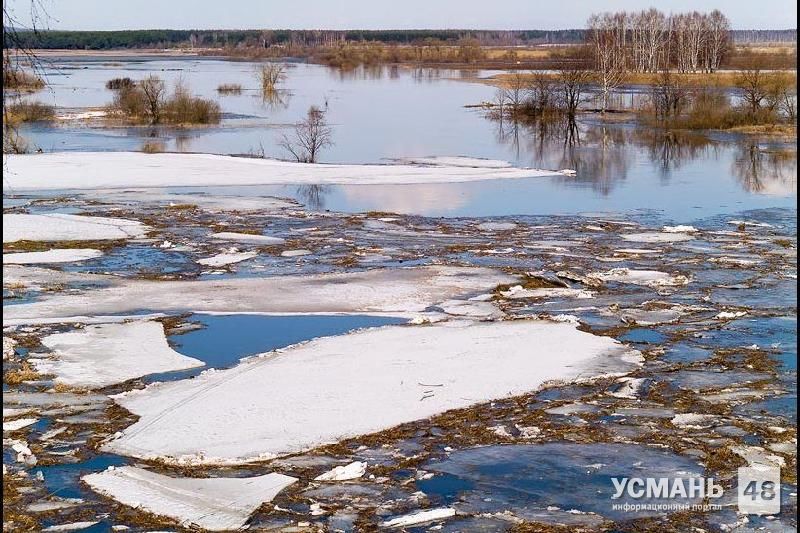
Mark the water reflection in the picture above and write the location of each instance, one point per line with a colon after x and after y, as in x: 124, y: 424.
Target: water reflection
x: 602, y: 154
x: 275, y: 99
x: 313, y: 196
x: 766, y: 171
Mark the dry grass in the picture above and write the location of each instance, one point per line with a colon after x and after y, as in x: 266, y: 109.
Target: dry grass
x: 29, y: 112
x: 16, y: 79
x: 229, y: 88
x: 153, y: 147
x: 20, y: 375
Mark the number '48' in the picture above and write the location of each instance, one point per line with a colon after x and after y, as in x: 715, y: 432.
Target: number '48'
x: 767, y: 490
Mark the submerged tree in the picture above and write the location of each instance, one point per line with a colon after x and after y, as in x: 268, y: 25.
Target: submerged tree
x: 154, y: 91
x: 311, y: 135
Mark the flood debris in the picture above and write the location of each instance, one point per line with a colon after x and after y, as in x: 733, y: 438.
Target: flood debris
x: 213, y: 504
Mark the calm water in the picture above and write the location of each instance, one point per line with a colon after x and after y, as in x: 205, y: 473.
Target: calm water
x: 395, y: 112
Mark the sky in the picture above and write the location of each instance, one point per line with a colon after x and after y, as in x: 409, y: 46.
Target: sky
x: 378, y: 14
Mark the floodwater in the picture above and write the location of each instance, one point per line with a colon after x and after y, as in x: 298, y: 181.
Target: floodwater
x: 546, y: 457
x: 386, y: 113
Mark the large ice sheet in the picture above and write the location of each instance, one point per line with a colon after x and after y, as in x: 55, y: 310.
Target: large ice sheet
x: 399, y: 291
x: 87, y: 170
x: 337, y: 387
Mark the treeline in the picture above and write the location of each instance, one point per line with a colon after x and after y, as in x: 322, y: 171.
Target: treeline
x: 764, y: 36
x: 103, y: 40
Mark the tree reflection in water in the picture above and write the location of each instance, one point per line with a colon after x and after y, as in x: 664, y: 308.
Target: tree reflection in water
x: 313, y: 196
x: 602, y: 154
x: 766, y: 171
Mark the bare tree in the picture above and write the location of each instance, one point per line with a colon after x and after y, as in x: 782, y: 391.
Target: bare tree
x: 573, y: 86
x: 270, y: 76
x: 154, y: 91
x: 719, y: 37
x: 515, y: 92
x: 669, y: 95
x: 607, y: 39
x: 311, y: 135
x: 753, y: 85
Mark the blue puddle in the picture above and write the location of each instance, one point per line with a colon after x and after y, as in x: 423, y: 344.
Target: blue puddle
x: 225, y: 339
x: 643, y: 336
x: 63, y: 480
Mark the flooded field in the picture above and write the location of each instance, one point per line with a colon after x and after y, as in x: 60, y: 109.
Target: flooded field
x: 446, y: 344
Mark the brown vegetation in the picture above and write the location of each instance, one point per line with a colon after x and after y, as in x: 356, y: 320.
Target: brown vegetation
x: 229, y: 88
x: 29, y: 112
x: 116, y: 84
x: 148, y: 102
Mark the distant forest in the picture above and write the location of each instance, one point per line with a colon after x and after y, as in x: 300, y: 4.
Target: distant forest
x: 104, y: 40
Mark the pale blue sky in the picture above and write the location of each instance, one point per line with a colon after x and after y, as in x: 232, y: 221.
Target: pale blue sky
x: 380, y: 14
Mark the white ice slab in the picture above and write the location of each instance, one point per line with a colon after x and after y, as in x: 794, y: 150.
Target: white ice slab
x: 353, y: 470
x: 213, y: 504
x: 420, y: 517
x: 649, y: 278
x: 399, y: 291
x: 63, y: 227
x: 58, y: 255
x: 248, y: 238
x: 654, y: 236
x: 336, y: 387
x: 115, y: 170
x: 105, y: 354
x: 228, y: 258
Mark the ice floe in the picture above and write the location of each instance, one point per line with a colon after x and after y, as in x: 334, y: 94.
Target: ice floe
x: 102, y: 355
x: 14, y: 425
x: 328, y: 389
x: 653, y: 236
x: 247, y: 238
x: 119, y: 170
x: 353, y: 470
x: 401, y: 291
x: 57, y: 255
x: 519, y: 292
x: 213, y: 504
x: 63, y: 227
x: 227, y: 258
x: 650, y: 278
x: 419, y: 517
